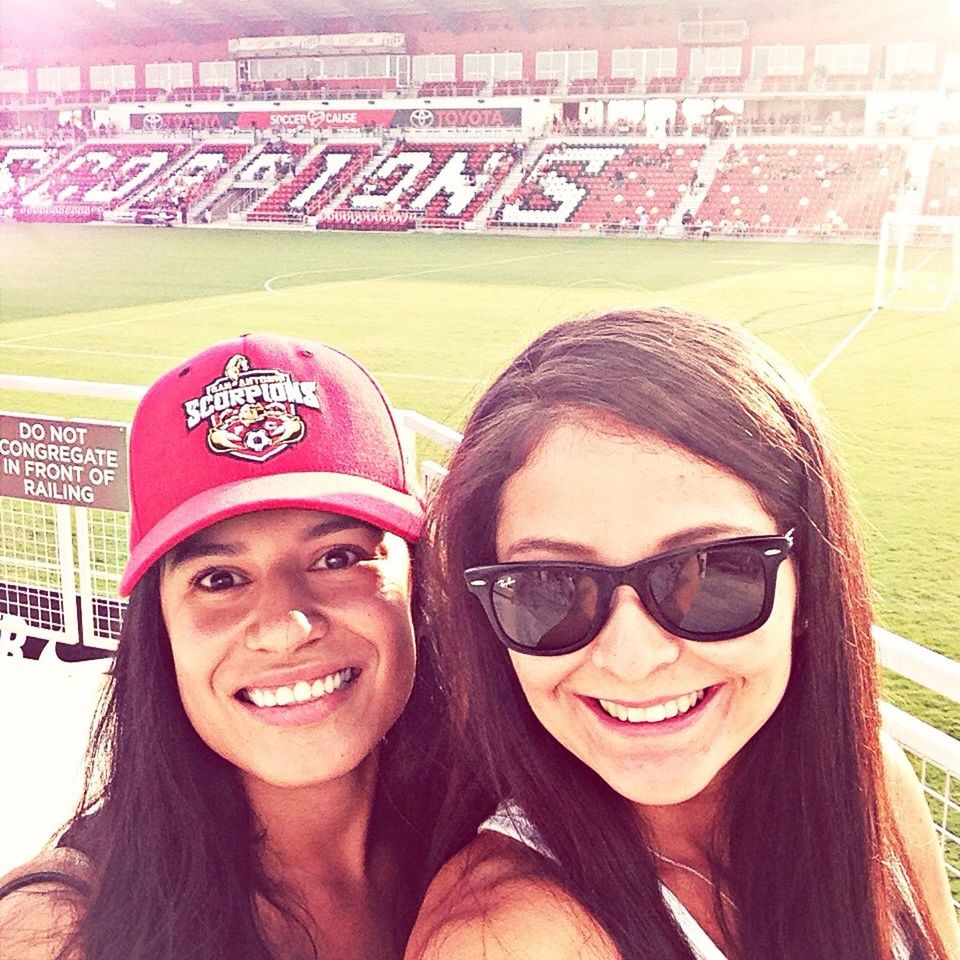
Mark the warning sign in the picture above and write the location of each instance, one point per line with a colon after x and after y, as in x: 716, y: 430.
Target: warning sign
x: 63, y: 461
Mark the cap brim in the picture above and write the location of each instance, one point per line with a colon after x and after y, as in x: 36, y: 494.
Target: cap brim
x: 366, y: 500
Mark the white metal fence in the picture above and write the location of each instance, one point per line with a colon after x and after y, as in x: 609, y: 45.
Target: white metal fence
x: 59, y: 569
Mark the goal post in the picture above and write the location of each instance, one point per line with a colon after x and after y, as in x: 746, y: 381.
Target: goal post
x: 918, y: 263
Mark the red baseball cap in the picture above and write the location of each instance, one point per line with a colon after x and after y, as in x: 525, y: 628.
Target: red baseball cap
x: 263, y: 422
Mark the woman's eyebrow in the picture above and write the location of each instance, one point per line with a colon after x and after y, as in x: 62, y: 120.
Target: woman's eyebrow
x: 576, y: 550
x: 197, y: 547
x: 336, y: 524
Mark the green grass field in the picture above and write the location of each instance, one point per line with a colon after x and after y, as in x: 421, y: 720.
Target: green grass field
x: 435, y: 316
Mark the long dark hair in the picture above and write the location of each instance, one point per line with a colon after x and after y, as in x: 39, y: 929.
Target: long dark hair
x: 173, y: 841
x: 806, y: 846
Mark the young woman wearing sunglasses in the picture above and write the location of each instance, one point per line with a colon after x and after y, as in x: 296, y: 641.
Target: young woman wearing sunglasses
x: 651, y: 608
x: 261, y: 797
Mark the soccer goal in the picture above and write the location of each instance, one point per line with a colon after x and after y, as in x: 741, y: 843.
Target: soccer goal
x: 918, y: 267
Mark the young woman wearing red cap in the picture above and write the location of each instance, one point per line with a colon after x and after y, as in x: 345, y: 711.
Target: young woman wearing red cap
x: 257, y: 773
x: 654, y: 626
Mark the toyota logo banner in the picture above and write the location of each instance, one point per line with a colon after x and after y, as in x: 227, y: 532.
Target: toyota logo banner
x: 421, y: 118
x: 344, y: 118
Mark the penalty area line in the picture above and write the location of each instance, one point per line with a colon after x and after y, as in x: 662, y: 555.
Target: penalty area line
x: 842, y: 345
x: 382, y: 374
x: 347, y: 281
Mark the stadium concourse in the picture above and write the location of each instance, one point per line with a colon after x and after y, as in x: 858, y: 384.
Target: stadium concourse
x: 644, y: 117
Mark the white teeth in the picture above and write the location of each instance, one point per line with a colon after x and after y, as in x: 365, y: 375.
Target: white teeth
x: 655, y: 714
x: 302, y: 691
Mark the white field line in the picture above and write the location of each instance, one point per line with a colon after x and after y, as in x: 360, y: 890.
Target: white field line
x: 693, y: 290
x: 96, y: 353
x: 841, y: 346
x: 259, y: 295
x: 383, y: 374
x: 195, y: 308
x: 268, y: 284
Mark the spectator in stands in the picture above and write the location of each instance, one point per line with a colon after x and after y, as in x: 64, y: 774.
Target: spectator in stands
x: 268, y: 789
x: 666, y: 677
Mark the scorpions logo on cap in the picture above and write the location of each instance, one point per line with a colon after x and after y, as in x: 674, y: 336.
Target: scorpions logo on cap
x: 252, y: 414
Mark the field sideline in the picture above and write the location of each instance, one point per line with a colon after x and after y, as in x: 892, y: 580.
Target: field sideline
x: 435, y: 316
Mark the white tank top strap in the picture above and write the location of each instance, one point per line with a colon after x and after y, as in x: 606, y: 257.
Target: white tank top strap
x: 510, y: 821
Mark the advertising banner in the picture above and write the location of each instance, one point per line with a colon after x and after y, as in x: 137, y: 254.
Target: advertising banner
x: 368, y: 220
x: 332, y: 119
x: 426, y: 117
x: 60, y: 212
x: 318, y: 45
x: 293, y: 117
x: 153, y: 121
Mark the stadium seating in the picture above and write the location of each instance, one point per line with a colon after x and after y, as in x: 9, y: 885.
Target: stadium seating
x: 21, y: 165
x: 103, y: 174
x: 943, y: 186
x: 664, y: 85
x: 445, y: 88
x: 775, y: 84
x: 601, y: 183
x: 721, y: 84
x: 797, y: 189
x: 197, y: 93
x: 616, y: 86
x: 847, y: 82
x: 283, y: 88
x: 535, y: 88
x: 276, y: 160
x: 139, y: 94
x: 191, y: 181
x: 315, y: 185
x: 445, y: 184
x: 85, y: 96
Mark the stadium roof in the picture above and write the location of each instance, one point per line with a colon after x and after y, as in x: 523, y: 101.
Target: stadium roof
x: 27, y: 23
x: 33, y: 24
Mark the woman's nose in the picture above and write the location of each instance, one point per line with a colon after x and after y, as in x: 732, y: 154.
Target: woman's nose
x: 631, y: 644
x: 285, y: 616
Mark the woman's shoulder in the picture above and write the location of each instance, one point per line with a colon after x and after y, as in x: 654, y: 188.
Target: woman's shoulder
x: 921, y: 844
x: 907, y: 802
x: 490, y: 902
x: 40, y: 904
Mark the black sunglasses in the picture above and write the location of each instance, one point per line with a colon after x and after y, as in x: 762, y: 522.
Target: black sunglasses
x: 707, y: 592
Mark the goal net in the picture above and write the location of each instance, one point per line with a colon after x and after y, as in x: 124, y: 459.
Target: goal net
x: 918, y: 266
